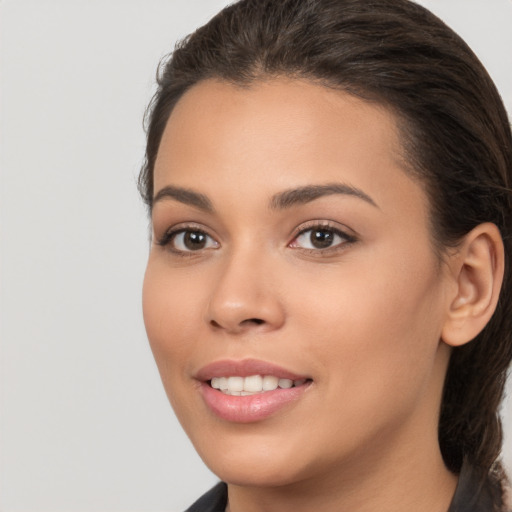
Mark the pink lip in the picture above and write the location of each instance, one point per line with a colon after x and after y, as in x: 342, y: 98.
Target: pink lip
x: 253, y: 408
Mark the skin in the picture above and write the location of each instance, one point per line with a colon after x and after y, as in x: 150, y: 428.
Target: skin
x: 363, y: 319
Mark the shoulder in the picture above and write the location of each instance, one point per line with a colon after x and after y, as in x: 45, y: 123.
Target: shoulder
x: 215, y: 500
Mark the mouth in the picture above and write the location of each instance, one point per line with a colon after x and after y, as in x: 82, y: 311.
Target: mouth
x: 253, y: 384
x: 250, y: 390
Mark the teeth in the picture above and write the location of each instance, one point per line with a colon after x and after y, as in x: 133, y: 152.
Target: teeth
x: 240, y: 386
x: 270, y: 383
x: 285, y: 383
x: 235, y: 383
x: 253, y: 383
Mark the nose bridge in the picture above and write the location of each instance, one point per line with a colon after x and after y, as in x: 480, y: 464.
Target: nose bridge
x: 245, y: 295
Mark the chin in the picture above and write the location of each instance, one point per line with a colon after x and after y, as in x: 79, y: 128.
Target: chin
x: 259, y: 473
x: 257, y: 460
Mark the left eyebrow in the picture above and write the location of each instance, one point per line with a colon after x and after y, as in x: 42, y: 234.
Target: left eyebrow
x: 185, y: 196
x: 303, y: 195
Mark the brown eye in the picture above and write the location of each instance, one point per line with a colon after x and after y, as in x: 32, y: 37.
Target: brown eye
x: 194, y: 240
x: 322, y: 238
x: 188, y: 240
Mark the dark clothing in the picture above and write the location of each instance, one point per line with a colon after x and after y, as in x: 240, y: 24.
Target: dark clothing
x: 215, y: 500
x: 474, y: 494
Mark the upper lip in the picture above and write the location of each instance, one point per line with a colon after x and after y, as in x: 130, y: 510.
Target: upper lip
x: 244, y: 368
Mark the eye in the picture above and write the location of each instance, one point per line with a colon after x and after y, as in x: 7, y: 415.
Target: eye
x: 186, y: 240
x: 319, y: 238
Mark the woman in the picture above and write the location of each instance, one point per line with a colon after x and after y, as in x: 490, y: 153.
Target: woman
x: 328, y: 285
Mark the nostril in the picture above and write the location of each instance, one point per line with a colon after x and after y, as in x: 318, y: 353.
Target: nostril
x: 238, y: 325
x: 257, y: 321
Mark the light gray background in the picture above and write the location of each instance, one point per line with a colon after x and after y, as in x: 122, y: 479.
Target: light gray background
x: 84, y: 422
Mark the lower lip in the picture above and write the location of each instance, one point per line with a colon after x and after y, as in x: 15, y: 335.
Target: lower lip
x: 252, y: 408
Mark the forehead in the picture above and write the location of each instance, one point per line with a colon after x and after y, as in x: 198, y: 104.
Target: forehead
x: 278, y: 134
x: 277, y: 113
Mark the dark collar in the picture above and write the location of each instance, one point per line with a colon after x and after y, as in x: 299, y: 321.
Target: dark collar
x: 215, y: 500
x: 476, y: 492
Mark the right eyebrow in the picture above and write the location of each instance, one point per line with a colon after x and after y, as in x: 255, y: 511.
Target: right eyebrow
x: 185, y: 196
x: 303, y: 195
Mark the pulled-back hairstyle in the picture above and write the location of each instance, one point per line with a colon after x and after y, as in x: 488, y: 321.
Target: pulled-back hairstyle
x: 454, y: 131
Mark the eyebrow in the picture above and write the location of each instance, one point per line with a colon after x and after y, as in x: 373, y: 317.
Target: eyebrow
x: 185, y: 196
x: 303, y: 195
x: 280, y: 201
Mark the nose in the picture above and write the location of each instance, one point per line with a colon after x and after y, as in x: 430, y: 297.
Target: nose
x: 245, y: 297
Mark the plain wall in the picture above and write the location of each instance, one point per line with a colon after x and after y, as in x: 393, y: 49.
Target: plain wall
x: 84, y: 421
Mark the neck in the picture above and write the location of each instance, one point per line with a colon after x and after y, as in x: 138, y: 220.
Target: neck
x: 397, y: 482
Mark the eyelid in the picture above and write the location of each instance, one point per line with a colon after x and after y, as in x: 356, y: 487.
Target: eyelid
x: 325, y: 223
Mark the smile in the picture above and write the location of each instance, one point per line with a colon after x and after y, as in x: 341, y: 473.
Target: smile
x: 252, y: 385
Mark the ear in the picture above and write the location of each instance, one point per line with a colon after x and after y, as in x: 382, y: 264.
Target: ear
x: 477, y: 268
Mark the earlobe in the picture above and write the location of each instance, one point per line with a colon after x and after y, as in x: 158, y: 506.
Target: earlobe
x: 477, y: 268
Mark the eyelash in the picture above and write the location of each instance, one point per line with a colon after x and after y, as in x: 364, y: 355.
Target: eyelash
x: 170, y: 236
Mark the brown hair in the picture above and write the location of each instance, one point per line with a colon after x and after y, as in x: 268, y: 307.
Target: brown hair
x: 455, y: 133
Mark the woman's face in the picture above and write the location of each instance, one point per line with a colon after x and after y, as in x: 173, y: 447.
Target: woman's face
x: 290, y: 248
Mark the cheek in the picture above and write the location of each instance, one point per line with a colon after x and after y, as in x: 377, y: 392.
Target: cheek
x: 375, y: 351
x: 375, y: 324
x: 171, y: 310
